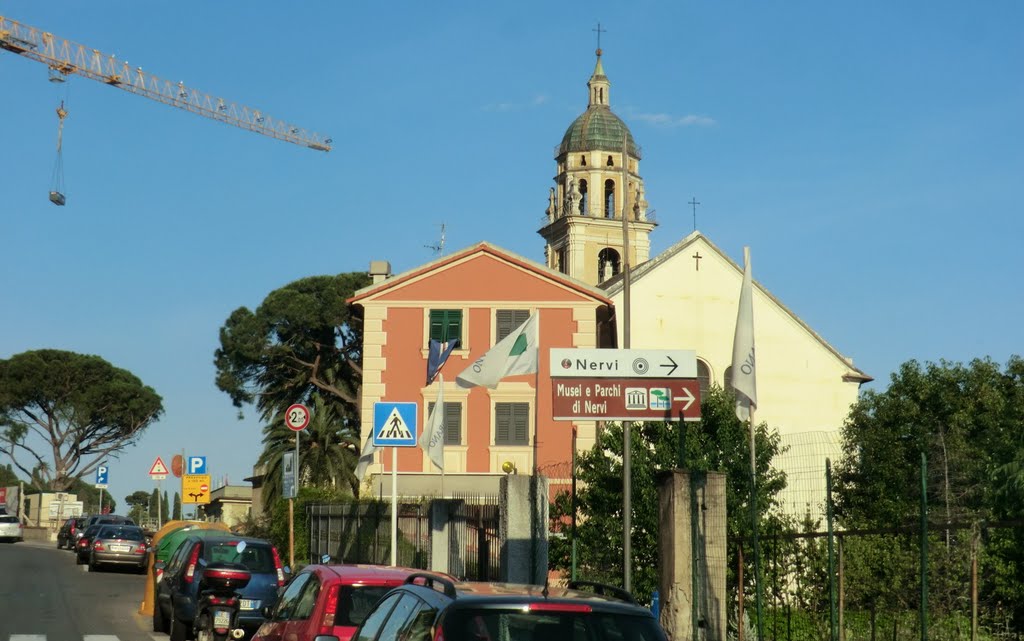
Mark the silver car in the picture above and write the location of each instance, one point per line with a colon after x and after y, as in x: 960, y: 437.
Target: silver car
x: 123, y: 545
x: 11, y: 529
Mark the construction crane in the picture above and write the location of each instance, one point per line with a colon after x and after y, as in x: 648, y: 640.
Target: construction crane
x: 64, y: 57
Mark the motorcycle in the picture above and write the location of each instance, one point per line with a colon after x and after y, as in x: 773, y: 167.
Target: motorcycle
x: 219, y: 602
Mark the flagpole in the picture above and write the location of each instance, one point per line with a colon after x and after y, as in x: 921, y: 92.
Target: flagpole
x: 534, y: 518
x: 754, y: 526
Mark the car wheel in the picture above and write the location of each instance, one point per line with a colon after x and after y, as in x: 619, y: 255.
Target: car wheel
x: 159, y: 620
x: 92, y: 566
x: 60, y: 545
x: 78, y: 559
x: 178, y: 631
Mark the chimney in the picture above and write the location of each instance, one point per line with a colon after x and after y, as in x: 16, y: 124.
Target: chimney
x: 379, y: 270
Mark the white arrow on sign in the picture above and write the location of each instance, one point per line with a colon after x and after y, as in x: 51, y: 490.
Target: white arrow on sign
x: 689, y: 398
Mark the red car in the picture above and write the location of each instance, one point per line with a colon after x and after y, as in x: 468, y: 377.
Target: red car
x: 328, y: 602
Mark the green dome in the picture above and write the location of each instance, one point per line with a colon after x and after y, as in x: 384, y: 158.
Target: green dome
x: 597, y: 129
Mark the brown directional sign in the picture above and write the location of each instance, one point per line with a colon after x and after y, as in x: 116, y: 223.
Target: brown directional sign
x: 625, y: 399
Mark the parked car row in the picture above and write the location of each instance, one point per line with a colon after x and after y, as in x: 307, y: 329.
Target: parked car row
x: 105, y: 540
x: 11, y: 529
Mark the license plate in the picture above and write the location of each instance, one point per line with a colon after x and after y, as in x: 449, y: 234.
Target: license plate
x: 120, y: 548
x: 249, y: 604
x: 221, y: 619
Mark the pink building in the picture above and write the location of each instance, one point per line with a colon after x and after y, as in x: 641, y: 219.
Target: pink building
x: 478, y: 296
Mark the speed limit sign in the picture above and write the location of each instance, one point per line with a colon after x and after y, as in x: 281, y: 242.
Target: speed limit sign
x: 297, y: 417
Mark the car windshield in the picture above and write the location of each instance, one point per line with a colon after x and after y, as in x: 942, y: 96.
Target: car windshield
x: 356, y: 601
x: 127, y: 533
x: 504, y: 625
x: 255, y: 557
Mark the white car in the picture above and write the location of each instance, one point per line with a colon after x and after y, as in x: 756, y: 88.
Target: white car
x: 11, y: 529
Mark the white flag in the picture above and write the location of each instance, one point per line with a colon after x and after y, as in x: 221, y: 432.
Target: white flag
x: 744, y: 380
x: 514, y: 354
x: 365, y: 458
x: 432, y: 439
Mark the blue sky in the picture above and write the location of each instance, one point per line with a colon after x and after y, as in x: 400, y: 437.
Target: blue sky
x: 869, y: 154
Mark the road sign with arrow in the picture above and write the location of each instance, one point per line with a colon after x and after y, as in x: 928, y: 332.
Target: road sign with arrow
x: 623, y: 363
x: 195, y: 488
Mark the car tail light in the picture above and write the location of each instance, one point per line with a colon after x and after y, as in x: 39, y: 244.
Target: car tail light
x: 277, y: 564
x: 558, y: 607
x: 141, y: 549
x: 192, y: 560
x: 330, y: 609
x: 159, y: 575
x: 438, y: 634
x: 72, y: 530
x: 217, y: 573
x: 219, y: 600
x: 97, y: 546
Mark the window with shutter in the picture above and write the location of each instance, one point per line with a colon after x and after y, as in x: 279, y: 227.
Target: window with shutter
x: 511, y: 423
x: 445, y: 324
x: 452, y: 422
x: 507, y: 320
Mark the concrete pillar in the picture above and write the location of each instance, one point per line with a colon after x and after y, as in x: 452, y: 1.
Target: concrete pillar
x: 524, y: 532
x: 447, y: 534
x: 692, y: 545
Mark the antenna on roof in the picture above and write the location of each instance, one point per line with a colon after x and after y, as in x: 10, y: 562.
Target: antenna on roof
x: 439, y: 247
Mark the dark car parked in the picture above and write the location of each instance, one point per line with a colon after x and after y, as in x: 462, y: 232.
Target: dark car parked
x: 123, y: 545
x: 93, y: 525
x: 431, y: 607
x: 181, y: 581
x: 71, y: 531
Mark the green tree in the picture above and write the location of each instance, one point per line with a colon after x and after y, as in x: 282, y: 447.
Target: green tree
x: 720, y: 442
x: 164, y: 505
x: 328, y: 450
x: 177, y: 507
x: 304, y: 337
x: 138, y: 505
x: 8, y: 476
x: 967, y: 420
x: 63, y: 414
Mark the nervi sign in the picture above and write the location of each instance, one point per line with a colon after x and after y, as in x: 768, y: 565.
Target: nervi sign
x: 623, y: 363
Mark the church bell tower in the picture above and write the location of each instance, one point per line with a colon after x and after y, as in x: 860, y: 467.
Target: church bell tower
x: 583, y: 233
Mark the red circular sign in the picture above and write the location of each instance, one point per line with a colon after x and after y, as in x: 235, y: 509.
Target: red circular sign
x: 204, y: 487
x: 296, y: 417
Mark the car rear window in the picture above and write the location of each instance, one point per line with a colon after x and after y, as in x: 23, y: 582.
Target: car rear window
x: 356, y: 601
x: 255, y: 557
x: 129, y: 533
x: 8, y: 518
x: 504, y: 625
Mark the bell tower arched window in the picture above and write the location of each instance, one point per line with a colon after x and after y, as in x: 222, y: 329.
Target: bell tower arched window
x: 607, y: 264
x: 584, y: 201
x: 609, y: 199
x: 704, y: 378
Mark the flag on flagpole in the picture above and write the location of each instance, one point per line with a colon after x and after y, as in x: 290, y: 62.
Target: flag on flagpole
x: 743, y: 373
x: 514, y: 354
x: 365, y: 458
x: 437, y: 356
x: 432, y: 439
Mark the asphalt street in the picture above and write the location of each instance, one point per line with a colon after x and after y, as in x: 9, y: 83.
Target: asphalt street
x: 45, y: 596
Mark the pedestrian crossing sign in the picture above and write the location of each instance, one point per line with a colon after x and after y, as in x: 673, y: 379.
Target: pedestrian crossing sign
x: 394, y: 424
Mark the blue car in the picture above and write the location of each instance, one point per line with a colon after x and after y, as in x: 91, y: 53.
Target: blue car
x: 180, y: 580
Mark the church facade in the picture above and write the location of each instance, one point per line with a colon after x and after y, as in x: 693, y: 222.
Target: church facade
x: 685, y: 298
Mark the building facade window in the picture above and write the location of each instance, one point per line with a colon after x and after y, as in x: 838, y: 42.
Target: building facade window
x: 507, y: 320
x: 609, y: 199
x: 446, y: 325
x: 511, y: 423
x: 704, y: 377
x: 607, y: 264
x: 452, y: 422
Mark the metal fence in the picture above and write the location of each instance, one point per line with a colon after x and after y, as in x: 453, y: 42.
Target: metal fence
x: 360, y: 532
x: 474, y: 551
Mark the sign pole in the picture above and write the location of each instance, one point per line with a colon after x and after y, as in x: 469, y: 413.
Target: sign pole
x: 291, y: 507
x: 394, y: 506
x: 101, y: 501
x: 159, y: 510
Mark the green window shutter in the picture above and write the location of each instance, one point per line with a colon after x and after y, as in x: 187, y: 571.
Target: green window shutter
x: 445, y: 324
x: 453, y: 423
x: 511, y: 423
x: 521, y: 424
x: 508, y: 320
x: 502, y: 423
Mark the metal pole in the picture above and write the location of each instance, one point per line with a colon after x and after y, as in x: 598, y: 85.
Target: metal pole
x: 740, y: 628
x: 833, y: 623
x: 291, y: 505
x: 754, y: 528
x: 159, y: 517
x: 924, y: 547
x: 573, y: 474
x: 101, y: 501
x: 627, y: 426
x: 394, y: 506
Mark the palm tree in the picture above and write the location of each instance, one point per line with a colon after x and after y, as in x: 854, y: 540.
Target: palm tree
x: 328, y: 449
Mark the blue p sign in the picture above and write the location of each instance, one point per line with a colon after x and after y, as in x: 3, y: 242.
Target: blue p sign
x: 196, y: 465
x: 102, y: 475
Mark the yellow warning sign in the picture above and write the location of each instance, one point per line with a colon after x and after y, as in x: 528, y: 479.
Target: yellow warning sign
x: 195, y: 488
